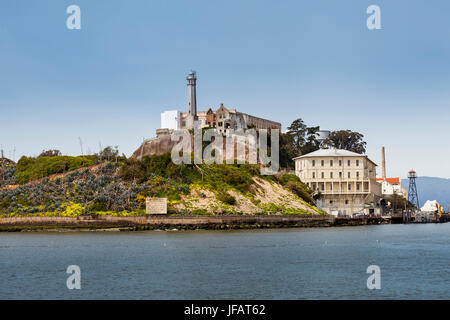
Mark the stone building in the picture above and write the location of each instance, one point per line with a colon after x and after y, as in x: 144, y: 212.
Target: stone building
x: 222, y: 118
x: 345, y: 180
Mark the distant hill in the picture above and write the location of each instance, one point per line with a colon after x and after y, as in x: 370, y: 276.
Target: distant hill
x: 430, y: 188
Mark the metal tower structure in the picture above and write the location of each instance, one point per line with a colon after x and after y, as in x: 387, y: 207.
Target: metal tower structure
x: 412, y: 191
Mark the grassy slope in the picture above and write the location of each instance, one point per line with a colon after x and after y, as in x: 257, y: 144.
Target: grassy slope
x: 121, y: 189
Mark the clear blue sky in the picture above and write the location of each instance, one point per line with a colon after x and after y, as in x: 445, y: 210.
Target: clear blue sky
x: 281, y: 60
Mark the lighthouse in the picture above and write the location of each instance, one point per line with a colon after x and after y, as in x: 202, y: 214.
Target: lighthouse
x: 192, y: 93
x: 191, y: 117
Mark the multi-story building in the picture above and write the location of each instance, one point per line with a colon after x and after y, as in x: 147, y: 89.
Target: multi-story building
x: 222, y: 119
x: 346, y: 181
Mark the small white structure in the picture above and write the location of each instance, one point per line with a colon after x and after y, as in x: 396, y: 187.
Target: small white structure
x: 391, y: 186
x: 170, y: 120
x: 430, y: 206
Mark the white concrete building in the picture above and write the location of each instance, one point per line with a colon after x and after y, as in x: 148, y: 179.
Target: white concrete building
x: 345, y: 180
x: 170, y: 120
x: 391, y: 186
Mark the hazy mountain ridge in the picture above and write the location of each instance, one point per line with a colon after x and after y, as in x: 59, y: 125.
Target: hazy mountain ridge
x: 431, y: 188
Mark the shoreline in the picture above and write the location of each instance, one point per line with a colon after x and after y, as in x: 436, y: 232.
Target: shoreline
x: 110, y: 223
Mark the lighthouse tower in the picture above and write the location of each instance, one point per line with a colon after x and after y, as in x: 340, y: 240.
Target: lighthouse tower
x: 192, y: 93
x: 191, y: 99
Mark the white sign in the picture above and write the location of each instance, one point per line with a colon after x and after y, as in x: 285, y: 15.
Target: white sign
x: 156, y: 205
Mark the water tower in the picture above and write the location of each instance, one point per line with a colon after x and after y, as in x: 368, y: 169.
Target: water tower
x: 412, y: 191
x: 321, y: 136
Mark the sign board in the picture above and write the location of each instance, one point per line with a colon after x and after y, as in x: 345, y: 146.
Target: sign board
x: 156, y: 205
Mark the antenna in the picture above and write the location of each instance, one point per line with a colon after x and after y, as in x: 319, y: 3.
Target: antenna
x: 100, y: 152
x: 81, y: 145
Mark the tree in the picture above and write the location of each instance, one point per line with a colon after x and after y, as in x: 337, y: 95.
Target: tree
x: 299, y: 139
x: 108, y: 154
x: 50, y: 153
x: 303, y: 137
x: 347, y: 140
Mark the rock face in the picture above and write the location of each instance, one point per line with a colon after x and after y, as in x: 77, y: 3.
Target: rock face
x: 157, y: 146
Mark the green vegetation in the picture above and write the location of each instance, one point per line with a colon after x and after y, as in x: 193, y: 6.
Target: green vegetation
x: 7, y: 172
x: 293, y: 183
x: 121, y: 186
x: 301, y: 139
x: 226, y: 198
x: 213, y: 177
x: 28, y: 169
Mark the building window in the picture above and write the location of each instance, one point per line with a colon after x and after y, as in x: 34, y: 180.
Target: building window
x: 346, y: 201
x: 357, y: 186
x: 340, y: 163
x: 323, y: 175
x: 348, y: 174
x: 340, y: 174
x: 357, y: 163
x: 331, y: 201
x: 323, y: 186
x: 357, y: 174
x: 331, y: 163
x: 183, y: 124
x: 331, y: 175
x: 349, y: 187
x: 314, y: 163
x: 348, y: 163
x: 322, y: 163
x: 314, y: 175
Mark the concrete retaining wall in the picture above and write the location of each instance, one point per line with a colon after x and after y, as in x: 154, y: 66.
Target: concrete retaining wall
x: 188, y: 222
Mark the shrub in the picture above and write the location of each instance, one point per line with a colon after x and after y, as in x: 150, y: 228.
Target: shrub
x: 227, y: 198
x: 28, y: 169
x: 299, y: 189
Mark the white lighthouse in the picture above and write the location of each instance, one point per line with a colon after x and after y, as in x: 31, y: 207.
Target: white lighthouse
x: 192, y: 93
x: 191, y: 117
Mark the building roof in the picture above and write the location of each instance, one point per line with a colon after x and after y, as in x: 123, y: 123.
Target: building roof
x: 333, y: 153
x: 395, y: 180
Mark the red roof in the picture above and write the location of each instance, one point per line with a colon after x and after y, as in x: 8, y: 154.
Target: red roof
x: 393, y: 180
x: 390, y: 180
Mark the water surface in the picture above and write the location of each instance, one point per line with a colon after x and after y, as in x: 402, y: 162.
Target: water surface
x: 319, y: 263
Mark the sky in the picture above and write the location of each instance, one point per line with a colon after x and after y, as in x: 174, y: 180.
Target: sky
x: 108, y: 82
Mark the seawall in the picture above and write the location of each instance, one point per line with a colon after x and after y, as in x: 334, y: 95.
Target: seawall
x: 180, y: 222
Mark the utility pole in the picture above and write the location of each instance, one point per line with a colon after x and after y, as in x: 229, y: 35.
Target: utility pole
x: 81, y: 145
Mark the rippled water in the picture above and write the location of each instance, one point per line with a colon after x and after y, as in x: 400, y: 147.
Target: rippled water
x: 317, y: 263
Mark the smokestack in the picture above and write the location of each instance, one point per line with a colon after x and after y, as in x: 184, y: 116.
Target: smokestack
x: 383, y: 163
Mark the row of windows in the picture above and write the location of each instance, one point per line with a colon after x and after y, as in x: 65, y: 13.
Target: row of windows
x: 322, y: 175
x: 322, y: 163
x: 349, y: 187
